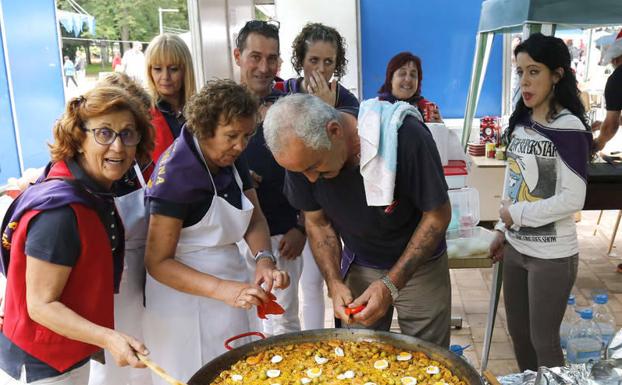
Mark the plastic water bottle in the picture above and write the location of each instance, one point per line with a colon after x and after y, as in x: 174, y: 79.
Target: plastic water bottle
x: 570, y: 319
x: 584, y: 342
x: 603, y: 318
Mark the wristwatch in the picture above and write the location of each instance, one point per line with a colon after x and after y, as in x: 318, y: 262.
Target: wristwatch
x: 387, y: 282
x: 261, y: 254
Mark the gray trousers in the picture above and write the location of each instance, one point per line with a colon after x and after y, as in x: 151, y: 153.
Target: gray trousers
x: 536, y: 292
x: 423, y: 305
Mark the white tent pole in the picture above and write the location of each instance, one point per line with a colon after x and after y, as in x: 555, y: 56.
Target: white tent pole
x: 483, y: 46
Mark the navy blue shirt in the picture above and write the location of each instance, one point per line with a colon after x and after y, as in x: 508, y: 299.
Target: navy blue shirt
x: 345, y: 98
x: 192, y: 212
x: 53, y: 236
x: 613, y: 90
x: 174, y: 120
x: 377, y: 237
x: 281, y: 216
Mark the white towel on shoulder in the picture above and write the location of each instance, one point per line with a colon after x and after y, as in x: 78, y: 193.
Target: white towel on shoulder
x: 378, y: 123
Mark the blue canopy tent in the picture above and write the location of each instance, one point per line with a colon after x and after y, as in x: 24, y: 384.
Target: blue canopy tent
x: 528, y: 16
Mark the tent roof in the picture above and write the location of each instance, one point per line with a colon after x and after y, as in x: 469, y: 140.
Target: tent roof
x: 510, y: 15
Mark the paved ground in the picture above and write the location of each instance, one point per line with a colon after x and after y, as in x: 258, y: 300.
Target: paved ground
x: 471, y: 293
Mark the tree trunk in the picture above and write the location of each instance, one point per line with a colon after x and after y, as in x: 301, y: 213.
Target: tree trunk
x: 87, y: 50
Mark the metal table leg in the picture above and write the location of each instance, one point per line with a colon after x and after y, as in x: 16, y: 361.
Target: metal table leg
x: 497, y: 279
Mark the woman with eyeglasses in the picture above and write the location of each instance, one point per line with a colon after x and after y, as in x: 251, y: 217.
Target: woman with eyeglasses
x: 319, y: 52
x: 63, y: 246
x: 130, y: 203
x: 170, y: 77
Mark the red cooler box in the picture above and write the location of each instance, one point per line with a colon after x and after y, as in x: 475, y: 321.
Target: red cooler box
x: 455, y: 174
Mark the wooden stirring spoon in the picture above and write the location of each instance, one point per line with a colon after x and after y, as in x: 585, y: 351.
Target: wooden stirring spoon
x: 158, y: 370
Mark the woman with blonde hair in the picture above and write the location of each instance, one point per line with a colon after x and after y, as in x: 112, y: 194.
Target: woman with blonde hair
x: 171, y: 82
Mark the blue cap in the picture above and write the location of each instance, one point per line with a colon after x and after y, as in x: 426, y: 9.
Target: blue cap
x: 572, y: 300
x: 601, y: 299
x: 586, y: 313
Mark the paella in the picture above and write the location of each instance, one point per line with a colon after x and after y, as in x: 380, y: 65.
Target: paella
x: 337, y: 362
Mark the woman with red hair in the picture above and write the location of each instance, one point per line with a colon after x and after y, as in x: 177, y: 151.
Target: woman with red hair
x: 403, y: 83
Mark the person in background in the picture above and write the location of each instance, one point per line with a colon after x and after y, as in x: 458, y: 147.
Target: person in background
x: 257, y: 55
x: 80, y: 65
x: 116, y: 62
x: 202, y: 202
x: 70, y: 72
x: 403, y: 83
x: 545, y: 184
x: 319, y: 52
x: 170, y: 78
x: 130, y: 203
x: 134, y: 63
x: 393, y: 254
x: 63, y: 246
x: 613, y: 96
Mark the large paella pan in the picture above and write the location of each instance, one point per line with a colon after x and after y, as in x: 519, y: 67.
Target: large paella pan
x: 222, y: 370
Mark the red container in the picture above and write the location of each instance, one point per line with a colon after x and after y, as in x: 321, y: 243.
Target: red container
x: 428, y: 111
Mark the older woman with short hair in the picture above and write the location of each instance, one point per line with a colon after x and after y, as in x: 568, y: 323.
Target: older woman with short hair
x: 202, y: 202
x: 171, y: 82
x: 63, y: 245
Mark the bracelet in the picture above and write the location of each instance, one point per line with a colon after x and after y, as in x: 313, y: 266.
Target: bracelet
x: 392, y: 288
x: 265, y: 254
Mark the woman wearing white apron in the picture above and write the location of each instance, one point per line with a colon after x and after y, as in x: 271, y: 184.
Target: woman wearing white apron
x: 201, y: 203
x: 128, y: 303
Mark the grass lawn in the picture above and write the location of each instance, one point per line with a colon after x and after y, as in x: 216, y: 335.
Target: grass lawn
x: 95, y: 68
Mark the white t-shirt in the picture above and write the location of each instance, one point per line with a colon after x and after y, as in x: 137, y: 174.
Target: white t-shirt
x: 134, y: 63
x: 545, y: 193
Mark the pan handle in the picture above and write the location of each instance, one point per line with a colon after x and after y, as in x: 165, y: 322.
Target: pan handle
x: 247, y: 334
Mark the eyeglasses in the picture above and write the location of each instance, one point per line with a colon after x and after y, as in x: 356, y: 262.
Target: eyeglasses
x: 106, y: 136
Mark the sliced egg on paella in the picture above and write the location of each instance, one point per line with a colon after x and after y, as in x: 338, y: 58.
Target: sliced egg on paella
x: 236, y: 377
x: 273, y: 373
x: 305, y: 380
x: 432, y: 369
x: 276, y: 359
x: 339, y: 352
x: 404, y: 356
x: 440, y: 383
x: 408, y: 380
x: 369, y: 383
x: 346, y: 375
x: 320, y: 360
x: 314, y: 372
x: 381, y: 364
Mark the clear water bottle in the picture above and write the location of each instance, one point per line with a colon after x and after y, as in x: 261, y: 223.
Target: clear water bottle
x: 570, y: 319
x: 584, y: 341
x: 603, y: 318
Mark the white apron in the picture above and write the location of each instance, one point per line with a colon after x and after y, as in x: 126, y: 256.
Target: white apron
x: 128, y: 304
x: 183, y: 331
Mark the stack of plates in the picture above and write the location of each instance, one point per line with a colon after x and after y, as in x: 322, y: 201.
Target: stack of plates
x: 477, y: 149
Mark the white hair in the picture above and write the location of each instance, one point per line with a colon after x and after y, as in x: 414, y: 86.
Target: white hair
x: 302, y: 115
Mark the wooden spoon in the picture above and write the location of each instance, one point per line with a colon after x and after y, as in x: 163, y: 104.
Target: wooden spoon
x: 158, y: 370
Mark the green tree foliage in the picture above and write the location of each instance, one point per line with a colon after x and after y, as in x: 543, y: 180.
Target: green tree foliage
x: 130, y: 19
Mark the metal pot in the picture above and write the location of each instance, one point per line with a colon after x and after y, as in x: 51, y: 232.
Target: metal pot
x: 458, y: 366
